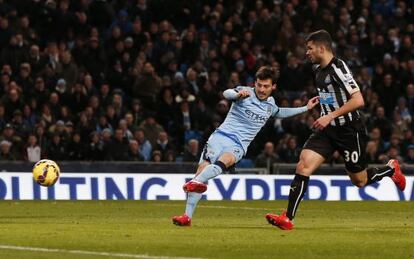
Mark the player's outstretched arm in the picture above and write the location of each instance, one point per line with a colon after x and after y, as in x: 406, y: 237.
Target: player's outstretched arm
x: 233, y: 94
x: 289, y: 112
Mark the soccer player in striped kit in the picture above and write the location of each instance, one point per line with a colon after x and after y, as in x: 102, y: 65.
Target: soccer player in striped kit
x: 339, y: 128
x: 249, y: 112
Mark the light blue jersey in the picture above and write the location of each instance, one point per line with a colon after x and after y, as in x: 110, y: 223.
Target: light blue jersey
x: 246, y: 117
x: 244, y: 120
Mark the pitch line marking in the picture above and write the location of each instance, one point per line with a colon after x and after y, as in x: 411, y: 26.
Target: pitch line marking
x: 83, y: 252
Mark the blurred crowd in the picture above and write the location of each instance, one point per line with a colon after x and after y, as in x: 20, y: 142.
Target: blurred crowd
x: 139, y: 80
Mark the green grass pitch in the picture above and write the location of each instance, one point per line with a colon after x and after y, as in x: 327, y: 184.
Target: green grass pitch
x: 221, y: 229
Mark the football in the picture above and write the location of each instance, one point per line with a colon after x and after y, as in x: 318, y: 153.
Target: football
x: 46, y: 172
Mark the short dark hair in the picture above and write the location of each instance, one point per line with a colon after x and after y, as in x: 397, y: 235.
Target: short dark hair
x: 268, y: 72
x: 322, y: 37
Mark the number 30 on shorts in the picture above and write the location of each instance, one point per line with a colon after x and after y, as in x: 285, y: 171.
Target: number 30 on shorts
x: 353, y: 156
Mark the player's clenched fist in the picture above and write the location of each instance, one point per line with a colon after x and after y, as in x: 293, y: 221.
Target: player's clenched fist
x: 312, y: 102
x: 243, y: 94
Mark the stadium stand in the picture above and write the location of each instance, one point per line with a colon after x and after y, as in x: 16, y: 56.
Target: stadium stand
x: 138, y: 80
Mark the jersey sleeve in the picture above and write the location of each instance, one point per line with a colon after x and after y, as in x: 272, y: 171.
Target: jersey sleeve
x: 289, y: 112
x: 343, y: 76
x: 231, y: 94
x: 275, y: 111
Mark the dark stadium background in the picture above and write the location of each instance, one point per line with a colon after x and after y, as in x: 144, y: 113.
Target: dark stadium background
x: 137, y: 80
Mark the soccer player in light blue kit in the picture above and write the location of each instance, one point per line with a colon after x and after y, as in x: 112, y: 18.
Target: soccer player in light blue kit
x: 251, y: 109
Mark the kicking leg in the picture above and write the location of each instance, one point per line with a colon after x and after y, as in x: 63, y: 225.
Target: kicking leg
x: 198, y: 184
x: 211, y: 171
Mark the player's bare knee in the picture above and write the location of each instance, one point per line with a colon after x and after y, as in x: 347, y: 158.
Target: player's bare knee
x: 227, y: 159
x: 303, y: 169
x: 358, y: 182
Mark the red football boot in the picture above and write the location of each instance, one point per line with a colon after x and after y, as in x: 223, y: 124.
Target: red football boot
x: 282, y: 221
x: 183, y: 220
x: 398, y: 177
x: 195, y: 186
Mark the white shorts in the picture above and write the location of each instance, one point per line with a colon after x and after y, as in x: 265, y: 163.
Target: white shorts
x: 218, y: 144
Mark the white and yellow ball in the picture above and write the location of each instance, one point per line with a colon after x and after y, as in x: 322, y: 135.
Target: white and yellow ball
x: 46, y: 172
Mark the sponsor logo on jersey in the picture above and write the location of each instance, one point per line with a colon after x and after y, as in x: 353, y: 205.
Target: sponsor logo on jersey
x: 255, y: 117
x: 326, y: 98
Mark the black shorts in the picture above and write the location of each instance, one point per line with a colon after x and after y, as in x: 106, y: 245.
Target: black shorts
x: 350, y: 140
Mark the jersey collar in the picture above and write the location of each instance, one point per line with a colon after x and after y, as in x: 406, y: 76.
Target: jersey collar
x: 329, y: 64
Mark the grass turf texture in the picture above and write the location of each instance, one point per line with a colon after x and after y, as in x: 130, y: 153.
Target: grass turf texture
x: 221, y: 229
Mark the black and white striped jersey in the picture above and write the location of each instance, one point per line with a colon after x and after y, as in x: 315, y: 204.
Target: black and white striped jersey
x: 335, y: 85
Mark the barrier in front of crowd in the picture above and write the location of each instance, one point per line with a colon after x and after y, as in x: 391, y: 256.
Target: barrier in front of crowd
x: 170, y: 167
x: 130, y: 186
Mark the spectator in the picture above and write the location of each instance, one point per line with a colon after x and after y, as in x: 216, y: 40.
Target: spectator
x: 164, y: 144
x: 78, y: 98
x: 290, y: 153
x: 267, y: 158
x: 151, y: 128
x: 3, y: 119
x: 69, y: 69
x: 372, y: 152
x: 54, y: 104
x: 103, y: 124
x: 21, y: 127
x: 156, y: 156
x: 409, y: 159
x: 32, y: 151
x: 29, y: 117
x: 292, y: 78
x: 394, y: 153
x: 170, y: 156
x: 130, y: 125
x: 12, y: 102
x: 375, y: 135
x: 145, y: 147
x: 47, y: 115
x: 25, y: 80
x: 192, y: 151
x: 167, y: 108
x: 95, y: 59
x: 56, y: 150
x: 10, y: 135
x: 134, y: 154
x: 40, y: 93
x: 112, y: 57
x: 147, y: 86
x: 382, y: 122
x: 123, y: 125
x: 95, y: 148
x: 118, y: 147
x: 137, y: 112
x: 5, y: 152
x: 76, y: 149
x: 41, y: 137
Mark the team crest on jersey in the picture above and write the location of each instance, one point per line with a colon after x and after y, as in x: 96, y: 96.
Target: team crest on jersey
x: 328, y: 79
x: 269, y: 110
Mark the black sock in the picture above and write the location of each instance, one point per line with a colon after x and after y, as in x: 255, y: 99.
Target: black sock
x: 375, y: 174
x: 298, y: 189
